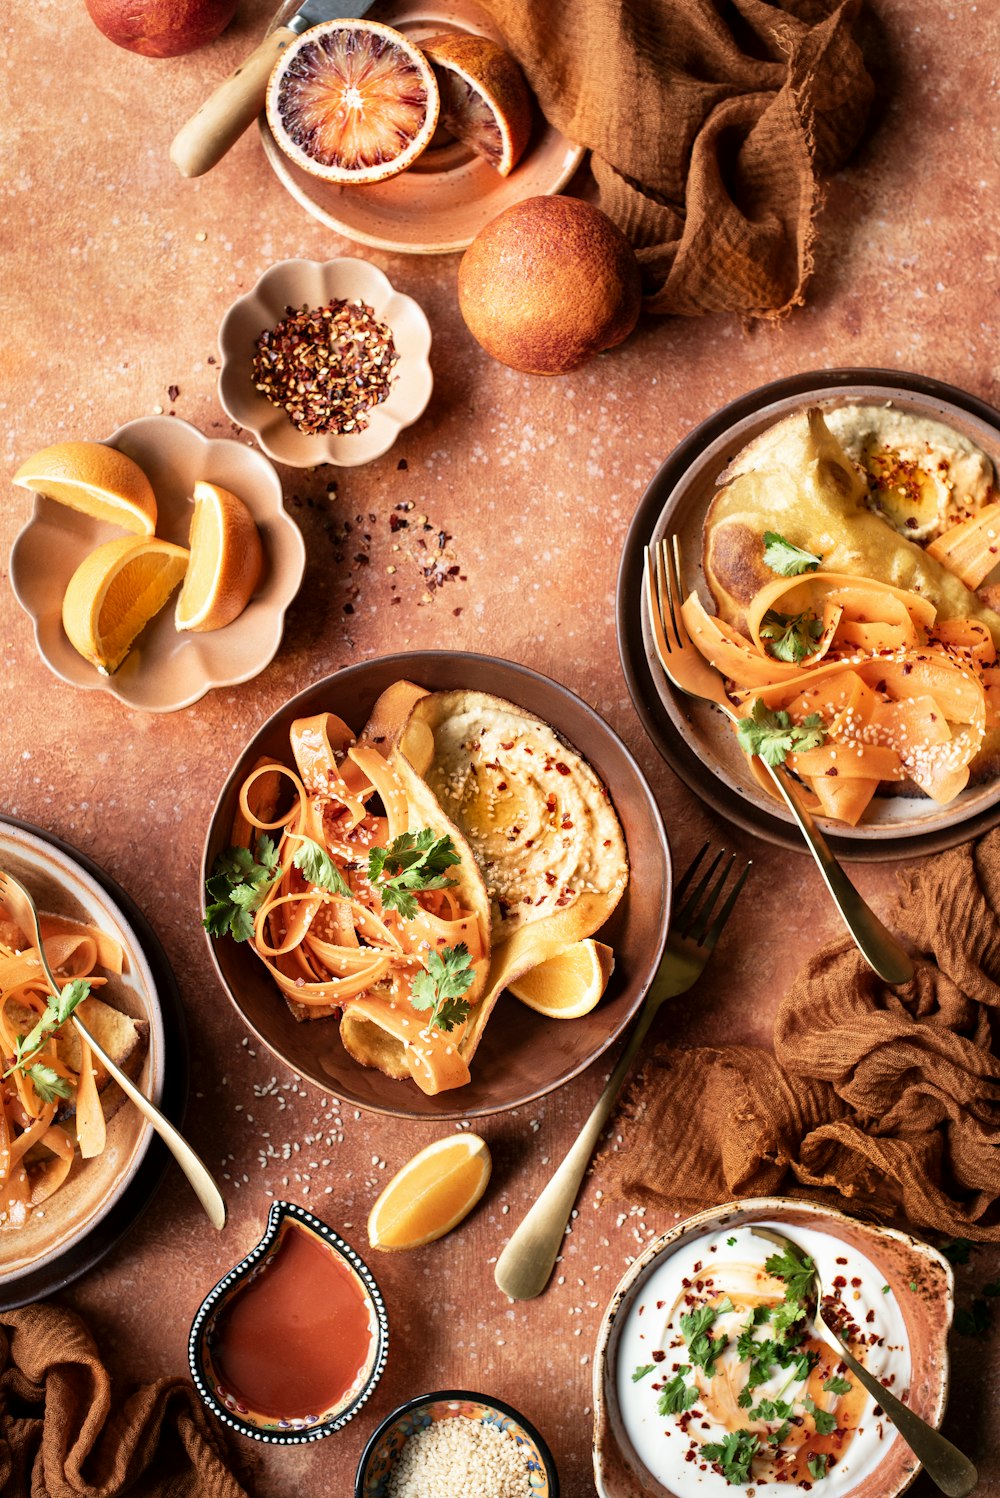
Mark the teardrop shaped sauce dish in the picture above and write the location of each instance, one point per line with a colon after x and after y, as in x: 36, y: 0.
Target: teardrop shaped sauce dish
x: 290, y: 1343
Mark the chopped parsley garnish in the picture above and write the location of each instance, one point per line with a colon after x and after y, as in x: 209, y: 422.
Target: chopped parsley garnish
x: 791, y: 637
x: 772, y: 1409
x: 777, y: 1436
x: 785, y: 559
x: 818, y: 1464
x: 677, y: 1396
x: 734, y: 1455
x: 773, y: 735
x: 413, y: 861
x: 747, y: 1345
x: 439, y: 988
x: 237, y: 887
x: 702, y: 1349
x: 319, y: 868
x: 837, y: 1385
x: 796, y: 1271
x: 730, y: 1242
x: 825, y: 1422
x: 641, y: 1371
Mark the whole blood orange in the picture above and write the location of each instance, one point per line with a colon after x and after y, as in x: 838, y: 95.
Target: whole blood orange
x: 548, y: 284
x: 161, y: 28
x: 484, y: 99
x: 352, y: 101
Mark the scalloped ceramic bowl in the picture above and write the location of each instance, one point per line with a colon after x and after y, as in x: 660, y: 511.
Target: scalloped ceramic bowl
x: 165, y: 669
x: 314, y: 283
x: 227, y: 1406
x: 921, y: 1282
x: 379, y: 1456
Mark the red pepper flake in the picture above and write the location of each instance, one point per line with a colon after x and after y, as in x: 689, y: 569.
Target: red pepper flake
x: 402, y: 465
x: 325, y: 367
x: 563, y: 769
x: 173, y: 391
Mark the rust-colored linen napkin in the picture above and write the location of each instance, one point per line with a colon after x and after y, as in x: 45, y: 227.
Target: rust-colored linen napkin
x: 710, y: 123
x: 887, y: 1101
x: 61, y: 1438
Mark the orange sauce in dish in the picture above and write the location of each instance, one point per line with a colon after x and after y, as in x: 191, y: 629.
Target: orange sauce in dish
x: 294, y: 1340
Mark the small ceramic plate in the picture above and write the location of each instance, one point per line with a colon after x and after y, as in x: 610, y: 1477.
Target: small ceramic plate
x: 449, y: 194
x: 692, y: 736
x: 918, y: 1276
x: 93, y: 1188
x: 379, y: 1456
x: 315, y: 283
x: 164, y: 670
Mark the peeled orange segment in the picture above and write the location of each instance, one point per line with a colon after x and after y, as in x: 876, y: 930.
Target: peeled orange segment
x: 96, y: 479
x: 570, y: 984
x: 227, y: 560
x: 115, y: 592
x: 431, y: 1194
x: 485, y: 101
x: 352, y: 101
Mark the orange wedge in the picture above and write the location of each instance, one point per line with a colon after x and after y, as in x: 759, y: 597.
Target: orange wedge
x: 115, y: 592
x: 227, y: 560
x: 431, y: 1194
x: 96, y: 479
x: 570, y: 984
x: 484, y: 99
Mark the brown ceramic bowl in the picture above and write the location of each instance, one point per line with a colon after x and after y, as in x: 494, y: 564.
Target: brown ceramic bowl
x: 918, y: 1276
x: 691, y: 736
x: 93, y: 1188
x: 522, y: 1055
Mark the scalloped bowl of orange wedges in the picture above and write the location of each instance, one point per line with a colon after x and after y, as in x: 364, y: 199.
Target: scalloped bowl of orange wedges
x: 157, y: 564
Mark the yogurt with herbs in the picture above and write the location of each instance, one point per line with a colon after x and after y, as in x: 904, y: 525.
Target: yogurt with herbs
x: 722, y: 1385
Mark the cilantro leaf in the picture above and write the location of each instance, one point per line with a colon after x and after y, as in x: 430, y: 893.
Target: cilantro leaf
x: 788, y: 1313
x: 772, y: 1409
x: 777, y: 1436
x: 702, y: 1349
x: 316, y: 865
x: 413, y: 861
x: 790, y: 637
x: 785, y: 559
x: 641, y: 1371
x: 57, y: 1011
x: 47, y: 1082
x: 747, y: 1344
x: 837, y: 1385
x: 818, y: 1465
x: 824, y: 1421
x: 677, y: 1396
x: 730, y: 1242
x: 236, y: 888
x: 439, y: 987
x: 773, y: 735
x: 797, y: 1271
x: 734, y: 1455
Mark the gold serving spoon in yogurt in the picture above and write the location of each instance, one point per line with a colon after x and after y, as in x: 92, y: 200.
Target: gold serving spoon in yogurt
x: 25, y: 914
x: 953, y: 1473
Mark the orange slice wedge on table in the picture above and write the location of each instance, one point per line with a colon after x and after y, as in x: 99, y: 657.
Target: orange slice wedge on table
x: 227, y: 560
x: 352, y: 101
x: 431, y: 1194
x: 94, y: 478
x: 484, y: 99
x: 115, y: 592
x: 568, y: 985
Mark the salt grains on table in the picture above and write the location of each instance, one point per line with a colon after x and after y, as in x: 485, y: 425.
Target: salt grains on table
x: 463, y: 1456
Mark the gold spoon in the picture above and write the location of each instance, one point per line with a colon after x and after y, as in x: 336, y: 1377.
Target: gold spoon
x: 953, y: 1473
x: 23, y: 911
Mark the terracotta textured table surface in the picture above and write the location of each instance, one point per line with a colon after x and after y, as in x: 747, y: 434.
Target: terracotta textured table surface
x: 116, y: 276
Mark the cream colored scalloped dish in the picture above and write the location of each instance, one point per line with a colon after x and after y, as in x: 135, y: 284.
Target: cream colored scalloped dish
x: 164, y: 670
x: 314, y: 283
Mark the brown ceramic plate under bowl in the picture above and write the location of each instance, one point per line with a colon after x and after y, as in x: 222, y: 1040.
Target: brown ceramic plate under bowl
x: 522, y: 1055
x: 94, y: 1188
x: 693, y: 737
x: 448, y: 194
x: 165, y: 669
x: 920, y: 1282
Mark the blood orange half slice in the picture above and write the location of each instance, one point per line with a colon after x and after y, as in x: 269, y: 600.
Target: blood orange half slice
x: 352, y: 101
x: 485, y: 101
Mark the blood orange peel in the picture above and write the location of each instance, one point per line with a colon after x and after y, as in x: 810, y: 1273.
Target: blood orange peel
x: 352, y: 101
x: 485, y: 101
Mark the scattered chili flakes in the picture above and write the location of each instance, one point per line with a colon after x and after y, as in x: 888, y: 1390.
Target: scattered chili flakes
x: 326, y: 366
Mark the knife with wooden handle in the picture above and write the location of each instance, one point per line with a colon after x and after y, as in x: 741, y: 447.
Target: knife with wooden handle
x: 218, y: 124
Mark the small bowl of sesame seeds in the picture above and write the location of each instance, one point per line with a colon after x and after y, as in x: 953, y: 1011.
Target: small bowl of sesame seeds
x: 325, y: 362
x: 456, y: 1442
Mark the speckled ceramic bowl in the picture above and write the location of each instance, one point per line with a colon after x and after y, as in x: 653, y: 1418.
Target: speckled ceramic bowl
x: 227, y: 1406
x: 920, y: 1279
x: 314, y: 283
x: 382, y: 1451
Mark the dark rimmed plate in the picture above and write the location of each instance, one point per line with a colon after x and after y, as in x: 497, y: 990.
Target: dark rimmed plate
x: 689, y: 735
x: 516, y: 1062
x: 58, y: 1272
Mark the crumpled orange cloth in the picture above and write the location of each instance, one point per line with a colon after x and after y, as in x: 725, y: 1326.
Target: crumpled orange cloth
x: 884, y: 1100
x: 60, y: 1436
x: 710, y: 125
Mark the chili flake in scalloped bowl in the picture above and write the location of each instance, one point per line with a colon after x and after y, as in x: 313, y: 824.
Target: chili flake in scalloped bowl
x: 325, y: 362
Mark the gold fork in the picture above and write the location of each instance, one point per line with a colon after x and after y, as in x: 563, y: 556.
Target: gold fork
x: 688, y: 670
x: 524, y: 1267
x: 24, y: 913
